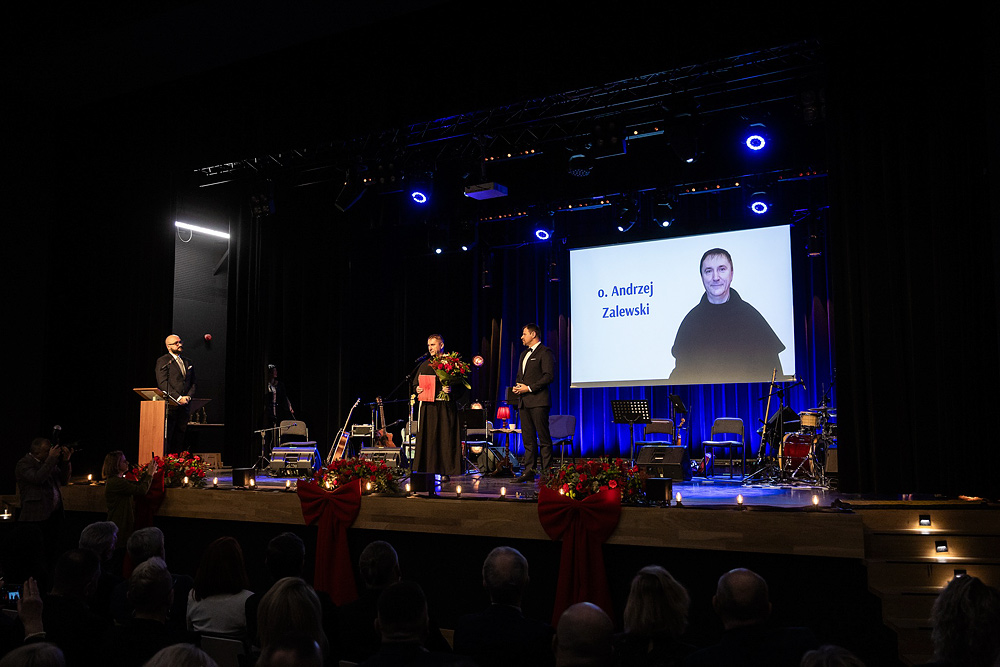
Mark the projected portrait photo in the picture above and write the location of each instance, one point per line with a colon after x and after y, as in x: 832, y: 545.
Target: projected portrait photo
x: 713, y: 308
x: 724, y: 338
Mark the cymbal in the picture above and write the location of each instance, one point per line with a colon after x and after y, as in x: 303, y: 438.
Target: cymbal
x: 822, y: 409
x: 794, y: 421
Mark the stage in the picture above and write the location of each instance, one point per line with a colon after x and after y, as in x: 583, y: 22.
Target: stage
x: 771, y: 519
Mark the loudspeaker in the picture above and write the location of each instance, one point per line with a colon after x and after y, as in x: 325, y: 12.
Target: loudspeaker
x: 832, y: 462
x: 393, y: 456
x: 293, y: 461
x: 242, y: 477
x: 665, y: 461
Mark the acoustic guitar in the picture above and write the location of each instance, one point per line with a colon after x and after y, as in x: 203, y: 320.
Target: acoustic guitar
x: 382, y: 436
x: 339, y: 446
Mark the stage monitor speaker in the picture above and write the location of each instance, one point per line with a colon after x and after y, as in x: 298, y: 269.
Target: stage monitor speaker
x: 393, y: 456
x: 665, y: 461
x: 490, y: 459
x: 242, y: 477
x: 832, y: 462
x: 293, y: 461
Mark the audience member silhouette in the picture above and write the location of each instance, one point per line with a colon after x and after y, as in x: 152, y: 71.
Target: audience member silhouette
x: 42, y: 654
x: 102, y: 538
x: 656, y: 616
x: 379, y: 569
x: 217, y: 601
x: 743, y: 605
x: 402, y: 623
x: 584, y: 637
x: 181, y: 655
x: 830, y: 656
x: 491, y: 637
x: 964, y: 624
x: 144, y: 544
x: 69, y: 622
x: 290, y: 607
x: 295, y: 650
x: 285, y: 557
x: 150, y: 592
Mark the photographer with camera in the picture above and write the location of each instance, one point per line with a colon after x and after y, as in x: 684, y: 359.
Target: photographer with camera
x: 40, y: 474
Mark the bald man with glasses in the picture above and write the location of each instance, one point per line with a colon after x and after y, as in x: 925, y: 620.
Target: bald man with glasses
x: 175, y: 378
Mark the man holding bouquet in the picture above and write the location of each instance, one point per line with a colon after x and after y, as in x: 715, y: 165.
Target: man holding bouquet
x: 439, y: 448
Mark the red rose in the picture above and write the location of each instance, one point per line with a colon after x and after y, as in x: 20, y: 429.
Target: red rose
x: 613, y: 484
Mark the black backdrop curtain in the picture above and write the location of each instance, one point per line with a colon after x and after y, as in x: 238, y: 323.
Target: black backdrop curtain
x: 915, y: 232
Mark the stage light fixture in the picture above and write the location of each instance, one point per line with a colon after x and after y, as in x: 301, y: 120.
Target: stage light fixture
x: 465, y: 248
x: 756, y: 137
x: 580, y: 165
x: 542, y: 234
x: 203, y: 230
x: 758, y: 203
x: 419, y: 196
x: 438, y: 251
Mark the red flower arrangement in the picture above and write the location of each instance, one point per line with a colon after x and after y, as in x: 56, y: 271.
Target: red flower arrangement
x: 451, y: 370
x: 579, y: 480
x: 176, y: 467
x: 383, y: 479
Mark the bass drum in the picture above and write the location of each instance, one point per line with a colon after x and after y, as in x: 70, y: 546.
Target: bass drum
x: 796, y: 448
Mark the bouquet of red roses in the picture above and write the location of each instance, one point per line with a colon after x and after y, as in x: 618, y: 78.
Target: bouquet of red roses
x: 381, y: 476
x: 579, y: 480
x: 451, y: 370
x: 176, y: 467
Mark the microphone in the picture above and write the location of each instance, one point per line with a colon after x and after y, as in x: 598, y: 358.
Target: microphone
x: 421, y: 357
x: 166, y: 365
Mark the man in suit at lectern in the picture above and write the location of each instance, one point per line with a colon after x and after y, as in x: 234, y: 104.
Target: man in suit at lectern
x: 175, y: 378
x: 535, y: 372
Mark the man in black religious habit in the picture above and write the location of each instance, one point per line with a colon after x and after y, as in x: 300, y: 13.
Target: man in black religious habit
x: 724, y: 338
x: 439, y: 449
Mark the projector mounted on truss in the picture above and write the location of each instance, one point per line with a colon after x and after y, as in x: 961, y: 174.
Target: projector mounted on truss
x: 486, y: 191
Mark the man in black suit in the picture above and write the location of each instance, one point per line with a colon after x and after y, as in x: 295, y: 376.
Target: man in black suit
x: 502, y: 633
x: 175, y: 378
x: 535, y: 372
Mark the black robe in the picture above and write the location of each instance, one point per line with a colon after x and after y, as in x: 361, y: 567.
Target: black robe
x: 439, y: 449
x: 725, y: 342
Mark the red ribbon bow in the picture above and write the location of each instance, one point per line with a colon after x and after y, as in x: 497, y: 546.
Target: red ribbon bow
x: 334, y: 512
x: 583, y: 526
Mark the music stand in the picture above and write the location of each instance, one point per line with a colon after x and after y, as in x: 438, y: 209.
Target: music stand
x: 631, y: 412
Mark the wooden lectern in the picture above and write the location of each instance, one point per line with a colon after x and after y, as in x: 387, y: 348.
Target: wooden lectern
x: 152, y: 423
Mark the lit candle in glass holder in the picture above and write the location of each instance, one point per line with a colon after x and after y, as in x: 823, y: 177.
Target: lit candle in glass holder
x: 185, y: 480
x: 252, y: 482
x: 815, y: 501
x: 90, y: 478
x: 288, y: 485
x: 368, y: 487
x: 408, y: 487
x: 503, y: 492
x: 739, y: 500
x: 215, y: 482
x: 677, y: 497
x: 458, y: 491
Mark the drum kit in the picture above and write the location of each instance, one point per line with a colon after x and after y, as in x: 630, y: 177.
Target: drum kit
x: 801, y: 454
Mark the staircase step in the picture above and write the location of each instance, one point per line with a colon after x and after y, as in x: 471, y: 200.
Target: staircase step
x: 885, y: 574
x: 908, y: 545
x: 982, y: 520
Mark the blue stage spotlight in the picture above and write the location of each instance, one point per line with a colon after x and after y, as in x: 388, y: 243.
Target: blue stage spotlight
x: 542, y: 234
x: 759, y: 203
x: 756, y: 137
x: 419, y: 196
x: 437, y: 251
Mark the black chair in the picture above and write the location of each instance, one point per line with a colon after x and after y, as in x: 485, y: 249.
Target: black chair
x: 657, y: 426
x: 562, y: 428
x: 727, y: 426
